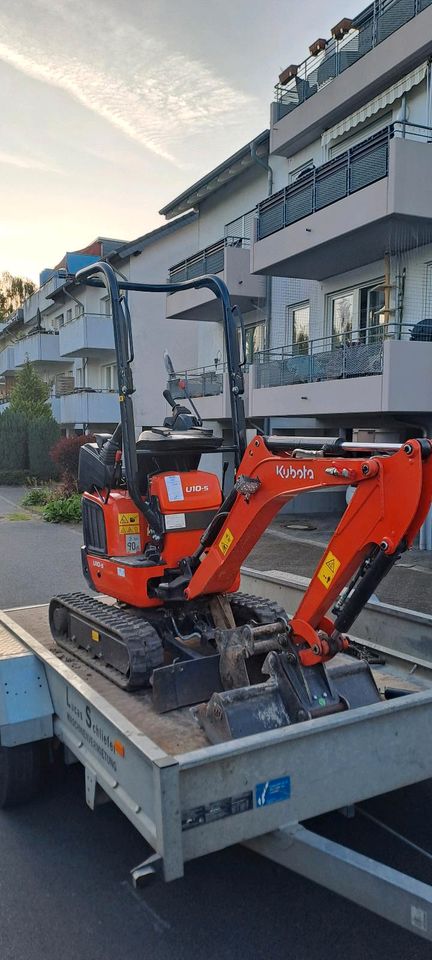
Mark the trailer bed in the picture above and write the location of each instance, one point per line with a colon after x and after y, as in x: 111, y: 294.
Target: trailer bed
x: 172, y: 733
x: 188, y: 798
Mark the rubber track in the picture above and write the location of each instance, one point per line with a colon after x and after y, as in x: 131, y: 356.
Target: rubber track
x: 246, y: 607
x: 143, y: 643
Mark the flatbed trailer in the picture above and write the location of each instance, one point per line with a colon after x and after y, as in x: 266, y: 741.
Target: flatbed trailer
x: 188, y: 798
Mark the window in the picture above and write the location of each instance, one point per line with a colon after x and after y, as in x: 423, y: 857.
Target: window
x: 428, y: 292
x: 297, y: 327
x: 357, y: 314
x: 105, y: 306
x: 68, y: 315
x: 59, y: 320
x: 78, y: 309
x: 109, y: 376
x: 342, y: 313
x: 255, y: 340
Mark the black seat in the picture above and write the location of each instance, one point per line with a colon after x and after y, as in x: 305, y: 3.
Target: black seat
x: 162, y: 449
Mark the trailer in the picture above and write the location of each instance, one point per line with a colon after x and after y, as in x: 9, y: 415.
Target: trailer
x: 188, y: 798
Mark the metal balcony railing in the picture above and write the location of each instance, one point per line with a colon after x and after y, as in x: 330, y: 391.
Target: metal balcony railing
x: 199, y: 382
x: 358, y: 167
x: 86, y: 315
x: 336, y: 357
x: 209, y: 260
x: 373, y: 25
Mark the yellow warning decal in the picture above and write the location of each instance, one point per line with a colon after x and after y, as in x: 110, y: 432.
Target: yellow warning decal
x: 328, y: 569
x: 226, y: 541
x: 95, y: 635
x: 128, y: 523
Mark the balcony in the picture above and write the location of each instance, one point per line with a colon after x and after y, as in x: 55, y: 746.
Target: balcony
x: 230, y: 259
x: 328, y: 375
x: 88, y: 335
x: 209, y: 389
x: 348, y: 212
x: 7, y: 361
x: 38, y: 348
x: 340, y: 78
x: 86, y: 406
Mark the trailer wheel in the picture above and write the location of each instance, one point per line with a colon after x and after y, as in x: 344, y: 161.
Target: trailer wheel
x: 20, y: 773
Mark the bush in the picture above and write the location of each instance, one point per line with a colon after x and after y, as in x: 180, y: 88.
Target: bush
x: 37, y: 497
x: 63, y: 510
x: 42, y: 435
x: 13, y: 440
x: 65, y: 455
x: 13, y: 478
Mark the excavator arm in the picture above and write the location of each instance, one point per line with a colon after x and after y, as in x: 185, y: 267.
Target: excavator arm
x: 393, y: 493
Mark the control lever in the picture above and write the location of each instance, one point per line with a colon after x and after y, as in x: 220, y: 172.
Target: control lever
x: 169, y: 399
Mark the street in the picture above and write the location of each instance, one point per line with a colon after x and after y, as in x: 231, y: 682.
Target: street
x: 64, y: 871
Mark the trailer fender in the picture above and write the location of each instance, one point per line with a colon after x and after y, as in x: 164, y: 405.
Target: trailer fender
x: 26, y: 708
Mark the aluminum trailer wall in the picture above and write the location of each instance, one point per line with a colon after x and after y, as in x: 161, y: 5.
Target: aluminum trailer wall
x: 256, y: 790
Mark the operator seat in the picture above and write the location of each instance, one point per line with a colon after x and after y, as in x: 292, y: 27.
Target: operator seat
x: 161, y: 449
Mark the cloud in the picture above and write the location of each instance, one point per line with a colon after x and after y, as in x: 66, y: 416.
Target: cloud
x: 157, y: 97
x: 27, y: 163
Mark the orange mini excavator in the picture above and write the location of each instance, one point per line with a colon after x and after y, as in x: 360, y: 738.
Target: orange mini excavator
x: 164, y: 542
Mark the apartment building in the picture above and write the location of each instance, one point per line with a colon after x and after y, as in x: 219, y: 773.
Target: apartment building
x: 70, y: 343
x: 350, y: 219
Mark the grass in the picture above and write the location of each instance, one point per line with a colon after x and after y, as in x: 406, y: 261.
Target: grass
x: 18, y: 516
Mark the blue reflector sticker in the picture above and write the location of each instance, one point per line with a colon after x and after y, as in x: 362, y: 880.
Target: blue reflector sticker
x: 273, y: 791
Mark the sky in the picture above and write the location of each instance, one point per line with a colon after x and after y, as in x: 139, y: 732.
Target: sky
x: 109, y: 110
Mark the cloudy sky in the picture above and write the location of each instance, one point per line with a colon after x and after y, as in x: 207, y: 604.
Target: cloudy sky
x: 108, y: 110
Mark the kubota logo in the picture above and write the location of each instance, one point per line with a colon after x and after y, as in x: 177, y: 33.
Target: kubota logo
x: 294, y: 473
x: 197, y: 488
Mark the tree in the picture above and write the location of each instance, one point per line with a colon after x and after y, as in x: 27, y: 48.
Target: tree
x: 13, y: 290
x: 30, y: 394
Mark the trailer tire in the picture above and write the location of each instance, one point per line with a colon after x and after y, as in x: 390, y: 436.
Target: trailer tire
x: 20, y: 773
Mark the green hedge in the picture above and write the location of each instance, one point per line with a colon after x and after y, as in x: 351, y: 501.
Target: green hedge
x: 25, y: 446
x: 13, y: 440
x: 13, y: 478
x: 42, y: 435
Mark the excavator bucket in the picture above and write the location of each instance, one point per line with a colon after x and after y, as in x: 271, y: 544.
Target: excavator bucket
x: 286, y: 698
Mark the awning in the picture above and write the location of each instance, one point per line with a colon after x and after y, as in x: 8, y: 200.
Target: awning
x: 378, y: 103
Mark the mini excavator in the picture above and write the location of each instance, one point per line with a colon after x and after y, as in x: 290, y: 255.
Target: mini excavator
x: 166, y: 544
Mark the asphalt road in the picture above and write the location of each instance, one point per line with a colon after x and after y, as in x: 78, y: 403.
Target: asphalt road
x: 37, y: 559
x: 64, y: 887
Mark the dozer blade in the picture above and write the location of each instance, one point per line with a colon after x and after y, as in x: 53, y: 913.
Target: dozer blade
x: 185, y: 683
x: 291, y: 695
x: 122, y: 647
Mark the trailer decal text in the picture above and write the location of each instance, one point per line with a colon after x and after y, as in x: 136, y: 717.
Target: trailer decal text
x: 82, y: 720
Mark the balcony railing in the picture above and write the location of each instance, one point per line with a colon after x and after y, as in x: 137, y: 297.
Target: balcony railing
x: 209, y: 260
x: 373, y: 25
x: 199, y: 382
x: 358, y: 167
x: 336, y: 357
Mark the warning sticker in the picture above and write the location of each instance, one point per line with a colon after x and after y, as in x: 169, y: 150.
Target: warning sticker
x: 128, y: 523
x: 226, y: 541
x: 328, y: 569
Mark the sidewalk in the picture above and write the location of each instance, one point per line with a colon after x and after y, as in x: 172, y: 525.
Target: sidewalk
x: 295, y: 544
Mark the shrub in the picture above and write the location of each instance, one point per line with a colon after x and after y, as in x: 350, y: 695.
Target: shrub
x: 65, y: 455
x: 30, y: 394
x: 37, y: 497
x: 42, y: 435
x: 13, y: 440
x: 13, y: 478
x: 63, y: 510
